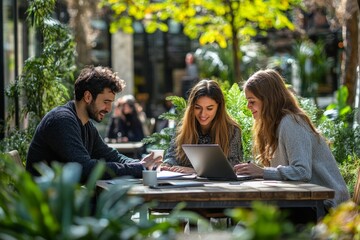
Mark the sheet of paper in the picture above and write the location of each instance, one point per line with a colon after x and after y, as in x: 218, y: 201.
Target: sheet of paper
x: 171, y: 175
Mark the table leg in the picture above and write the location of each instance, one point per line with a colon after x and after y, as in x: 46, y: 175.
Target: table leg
x: 143, y: 215
x: 320, y: 210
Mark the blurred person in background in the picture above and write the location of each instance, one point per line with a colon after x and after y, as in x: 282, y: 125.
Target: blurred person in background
x: 125, y: 124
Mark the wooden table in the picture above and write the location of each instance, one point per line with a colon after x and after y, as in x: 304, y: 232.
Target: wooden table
x: 131, y: 149
x: 225, y: 195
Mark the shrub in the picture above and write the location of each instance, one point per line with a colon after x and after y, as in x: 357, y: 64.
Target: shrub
x: 342, y: 222
x: 57, y: 206
x: 46, y: 80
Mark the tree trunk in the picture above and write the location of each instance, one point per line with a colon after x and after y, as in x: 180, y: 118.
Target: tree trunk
x: 350, y: 62
x: 235, y: 45
x: 236, y: 57
x: 81, y: 14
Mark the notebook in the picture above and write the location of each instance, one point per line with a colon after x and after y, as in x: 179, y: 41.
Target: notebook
x: 209, y: 161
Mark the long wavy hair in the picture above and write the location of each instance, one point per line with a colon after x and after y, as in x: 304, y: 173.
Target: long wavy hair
x: 221, y: 126
x: 277, y: 101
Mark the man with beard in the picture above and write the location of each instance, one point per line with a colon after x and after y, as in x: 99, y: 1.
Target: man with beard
x: 66, y: 133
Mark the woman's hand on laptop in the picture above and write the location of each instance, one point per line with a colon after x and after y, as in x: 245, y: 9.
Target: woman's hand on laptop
x: 179, y: 169
x: 249, y: 169
x: 149, y: 162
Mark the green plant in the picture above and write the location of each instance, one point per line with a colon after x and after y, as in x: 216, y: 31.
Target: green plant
x: 236, y: 105
x: 339, y: 109
x: 309, y: 106
x: 263, y: 222
x: 17, y: 141
x: 313, y: 66
x: 225, y: 23
x: 161, y: 140
x: 336, y: 125
x: 57, y: 206
x: 216, y: 62
x: 343, y: 222
x: 349, y: 170
x: 46, y: 80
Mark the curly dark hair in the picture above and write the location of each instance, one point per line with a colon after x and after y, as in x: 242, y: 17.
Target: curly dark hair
x: 95, y: 80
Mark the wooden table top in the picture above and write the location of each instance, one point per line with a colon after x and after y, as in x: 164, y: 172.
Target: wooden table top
x: 126, y: 145
x: 232, y: 191
x: 224, y: 195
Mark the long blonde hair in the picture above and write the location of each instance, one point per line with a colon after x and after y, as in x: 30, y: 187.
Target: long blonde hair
x: 221, y: 126
x: 277, y: 101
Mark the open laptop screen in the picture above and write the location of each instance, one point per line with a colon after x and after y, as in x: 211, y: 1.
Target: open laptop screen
x: 209, y: 161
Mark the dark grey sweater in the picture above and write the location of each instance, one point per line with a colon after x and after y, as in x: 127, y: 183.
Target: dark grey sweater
x: 62, y: 137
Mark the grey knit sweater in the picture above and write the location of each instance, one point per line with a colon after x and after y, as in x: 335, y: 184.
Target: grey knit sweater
x: 302, y: 156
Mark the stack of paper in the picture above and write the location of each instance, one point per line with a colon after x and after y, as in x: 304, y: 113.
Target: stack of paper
x: 163, y: 175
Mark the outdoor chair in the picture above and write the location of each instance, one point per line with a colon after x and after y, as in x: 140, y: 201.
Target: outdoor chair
x: 15, y: 156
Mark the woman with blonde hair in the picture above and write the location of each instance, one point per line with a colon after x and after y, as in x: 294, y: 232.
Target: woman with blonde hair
x: 286, y: 143
x: 205, y: 121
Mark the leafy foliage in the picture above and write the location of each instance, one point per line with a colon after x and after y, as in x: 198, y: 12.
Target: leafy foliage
x: 46, y: 80
x: 224, y: 23
x: 313, y: 65
x: 349, y: 171
x: 236, y: 105
x: 336, y: 123
x: 341, y: 223
x: 43, y: 80
x: 215, y: 62
x: 310, y: 108
x: 56, y: 206
x: 263, y: 222
x: 210, y: 21
x: 344, y: 140
x: 161, y: 140
x: 340, y: 109
x: 18, y: 140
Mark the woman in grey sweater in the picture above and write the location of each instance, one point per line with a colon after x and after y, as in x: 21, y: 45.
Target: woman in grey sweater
x: 287, y: 146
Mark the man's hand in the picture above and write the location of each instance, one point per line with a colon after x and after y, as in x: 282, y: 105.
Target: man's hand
x: 149, y: 162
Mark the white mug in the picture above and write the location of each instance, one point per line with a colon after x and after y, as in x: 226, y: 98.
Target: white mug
x: 149, y: 177
x: 158, y: 152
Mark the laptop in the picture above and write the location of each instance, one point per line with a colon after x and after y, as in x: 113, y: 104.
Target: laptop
x: 209, y: 161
